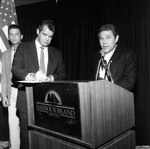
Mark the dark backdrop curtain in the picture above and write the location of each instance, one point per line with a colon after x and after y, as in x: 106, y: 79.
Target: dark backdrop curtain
x: 77, y: 23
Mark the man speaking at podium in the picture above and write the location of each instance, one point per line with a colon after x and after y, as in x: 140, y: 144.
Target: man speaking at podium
x: 113, y: 62
x: 36, y: 61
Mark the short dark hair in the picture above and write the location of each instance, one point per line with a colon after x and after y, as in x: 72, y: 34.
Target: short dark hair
x: 14, y: 26
x: 48, y: 23
x: 108, y: 27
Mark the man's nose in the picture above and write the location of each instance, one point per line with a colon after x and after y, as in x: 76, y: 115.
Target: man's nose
x: 15, y: 36
x: 47, y: 38
x: 104, y: 41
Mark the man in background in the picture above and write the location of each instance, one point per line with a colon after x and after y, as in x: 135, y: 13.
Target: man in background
x: 9, y: 90
x: 113, y: 62
x: 36, y: 61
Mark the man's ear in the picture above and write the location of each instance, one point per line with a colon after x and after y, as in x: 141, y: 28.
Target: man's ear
x: 37, y: 31
x: 117, y: 38
x: 8, y: 37
x: 21, y: 37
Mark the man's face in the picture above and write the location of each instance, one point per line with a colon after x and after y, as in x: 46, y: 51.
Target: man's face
x: 15, y: 36
x: 45, y: 36
x: 107, y: 41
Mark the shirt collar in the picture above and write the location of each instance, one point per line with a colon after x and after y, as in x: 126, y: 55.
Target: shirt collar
x: 38, y: 45
x: 109, y: 55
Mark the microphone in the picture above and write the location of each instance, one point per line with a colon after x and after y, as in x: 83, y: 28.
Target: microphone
x: 100, y: 63
x: 102, y: 53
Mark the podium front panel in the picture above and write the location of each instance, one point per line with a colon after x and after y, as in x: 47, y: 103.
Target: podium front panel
x: 89, y: 114
x: 56, y: 108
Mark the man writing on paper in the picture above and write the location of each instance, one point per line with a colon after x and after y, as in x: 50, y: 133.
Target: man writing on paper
x: 36, y: 61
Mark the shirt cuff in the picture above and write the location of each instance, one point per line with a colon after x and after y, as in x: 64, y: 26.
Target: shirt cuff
x: 28, y: 77
x: 51, y: 78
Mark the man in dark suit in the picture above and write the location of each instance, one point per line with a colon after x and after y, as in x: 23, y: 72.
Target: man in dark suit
x: 113, y: 62
x: 28, y: 65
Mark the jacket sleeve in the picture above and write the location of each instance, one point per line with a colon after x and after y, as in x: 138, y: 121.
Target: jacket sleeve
x: 129, y: 72
x: 22, y: 64
x: 57, y: 67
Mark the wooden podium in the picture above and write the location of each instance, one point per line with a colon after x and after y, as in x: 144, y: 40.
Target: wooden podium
x: 80, y: 115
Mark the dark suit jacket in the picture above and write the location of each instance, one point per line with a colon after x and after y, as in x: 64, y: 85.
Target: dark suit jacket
x: 26, y: 61
x: 123, y: 67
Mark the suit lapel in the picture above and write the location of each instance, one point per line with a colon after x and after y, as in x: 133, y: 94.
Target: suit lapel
x: 114, y: 53
x: 33, y: 55
x: 50, y: 61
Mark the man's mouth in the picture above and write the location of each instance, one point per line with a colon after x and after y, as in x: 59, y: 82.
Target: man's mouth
x: 105, y: 47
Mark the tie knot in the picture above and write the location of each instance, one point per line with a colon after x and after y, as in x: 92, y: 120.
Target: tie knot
x: 105, y: 62
x: 42, y: 47
x: 14, y: 48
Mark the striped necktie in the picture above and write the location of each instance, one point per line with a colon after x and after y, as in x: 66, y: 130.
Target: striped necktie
x: 42, y: 65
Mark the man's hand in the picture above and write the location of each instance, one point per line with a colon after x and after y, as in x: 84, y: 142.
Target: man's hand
x: 40, y: 76
x: 5, y: 102
x: 4, y: 144
x: 50, y: 78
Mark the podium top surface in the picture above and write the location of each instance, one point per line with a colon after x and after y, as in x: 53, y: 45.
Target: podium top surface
x: 61, y: 81
x: 93, y: 82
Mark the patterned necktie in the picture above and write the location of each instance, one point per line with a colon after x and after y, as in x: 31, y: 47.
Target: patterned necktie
x: 101, y: 69
x: 42, y: 65
x: 107, y: 71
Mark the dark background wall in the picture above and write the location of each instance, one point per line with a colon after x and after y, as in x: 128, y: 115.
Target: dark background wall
x: 77, y: 23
